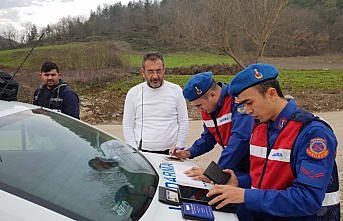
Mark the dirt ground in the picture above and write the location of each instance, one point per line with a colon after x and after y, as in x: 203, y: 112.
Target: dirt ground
x: 335, y: 119
x: 325, y: 62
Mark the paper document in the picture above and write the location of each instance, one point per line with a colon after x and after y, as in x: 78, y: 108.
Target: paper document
x: 183, y: 179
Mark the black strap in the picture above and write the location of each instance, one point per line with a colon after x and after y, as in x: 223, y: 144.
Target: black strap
x: 217, y: 131
x: 214, y: 118
x: 165, y: 152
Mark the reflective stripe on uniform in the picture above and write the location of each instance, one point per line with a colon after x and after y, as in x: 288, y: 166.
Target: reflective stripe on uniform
x: 226, y: 118
x: 331, y: 199
x: 283, y: 155
x: 209, y: 123
x: 258, y: 151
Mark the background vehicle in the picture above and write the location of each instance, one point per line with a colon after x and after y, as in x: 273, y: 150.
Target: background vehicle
x: 53, y: 167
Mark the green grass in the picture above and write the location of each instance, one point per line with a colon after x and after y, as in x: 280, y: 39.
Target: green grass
x: 12, y: 58
x: 289, y: 80
x: 183, y: 59
x: 95, y: 55
x: 79, y: 54
x: 325, y: 80
x: 71, y: 56
x: 122, y: 86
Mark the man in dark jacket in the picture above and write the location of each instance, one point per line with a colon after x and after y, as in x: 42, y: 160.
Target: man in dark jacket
x: 54, y: 93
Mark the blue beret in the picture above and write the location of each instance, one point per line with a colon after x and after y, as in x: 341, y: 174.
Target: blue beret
x: 252, y: 75
x: 197, y: 86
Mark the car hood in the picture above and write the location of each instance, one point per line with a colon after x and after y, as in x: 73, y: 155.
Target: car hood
x: 12, y: 107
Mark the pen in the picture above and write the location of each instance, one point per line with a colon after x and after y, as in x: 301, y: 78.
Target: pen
x: 175, y: 149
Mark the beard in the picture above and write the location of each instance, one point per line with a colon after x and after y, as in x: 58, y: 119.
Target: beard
x: 155, y: 83
x: 51, y: 83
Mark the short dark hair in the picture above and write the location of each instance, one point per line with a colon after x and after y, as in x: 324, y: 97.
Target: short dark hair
x: 264, y: 86
x: 152, y: 56
x: 213, y: 85
x: 212, y: 88
x: 48, y: 66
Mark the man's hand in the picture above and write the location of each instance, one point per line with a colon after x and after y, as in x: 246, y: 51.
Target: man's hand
x: 180, y: 153
x: 197, y: 174
x: 233, y: 181
x: 226, y: 194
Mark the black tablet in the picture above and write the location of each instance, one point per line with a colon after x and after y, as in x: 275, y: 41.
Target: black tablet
x: 198, y: 195
x: 193, y: 194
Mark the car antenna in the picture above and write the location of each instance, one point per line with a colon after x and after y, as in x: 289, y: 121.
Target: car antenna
x: 22, y: 63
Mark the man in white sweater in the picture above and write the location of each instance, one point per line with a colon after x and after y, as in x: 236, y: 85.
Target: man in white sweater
x: 155, y: 112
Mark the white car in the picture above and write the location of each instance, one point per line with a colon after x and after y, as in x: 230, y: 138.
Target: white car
x: 53, y: 167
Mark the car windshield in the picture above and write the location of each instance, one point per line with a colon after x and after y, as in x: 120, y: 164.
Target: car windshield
x: 72, y: 168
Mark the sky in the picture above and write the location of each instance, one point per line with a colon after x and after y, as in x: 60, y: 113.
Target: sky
x: 20, y: 13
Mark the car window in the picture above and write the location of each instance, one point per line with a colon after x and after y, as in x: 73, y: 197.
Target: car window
x: 72, y: 168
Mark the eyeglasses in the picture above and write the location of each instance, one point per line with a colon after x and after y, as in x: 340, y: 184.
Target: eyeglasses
x: 157, y: 71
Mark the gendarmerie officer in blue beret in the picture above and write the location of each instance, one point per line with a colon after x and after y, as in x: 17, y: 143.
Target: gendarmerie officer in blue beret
x: 293, y: 173
x: 223, y: 124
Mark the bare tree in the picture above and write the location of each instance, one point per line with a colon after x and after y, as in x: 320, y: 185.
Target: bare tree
x: 11, y: 35
x: 183, y: 24
x: 257, y: 19
x: 235, y: 23
x: 222, y: 28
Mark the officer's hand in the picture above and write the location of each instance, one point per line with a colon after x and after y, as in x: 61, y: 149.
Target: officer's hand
x: 180, y: 153
x: 197, y: 174
x: 226, y: 194
x: 233, y: 181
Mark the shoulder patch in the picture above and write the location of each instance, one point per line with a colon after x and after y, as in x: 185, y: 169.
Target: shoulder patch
x: 240, y: 108
x: 317, y: 148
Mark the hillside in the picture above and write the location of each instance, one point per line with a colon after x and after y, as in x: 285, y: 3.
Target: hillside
x: 103, y: 72
x: 101, y: 54
x: 71, y: 56
x: 5, y: 43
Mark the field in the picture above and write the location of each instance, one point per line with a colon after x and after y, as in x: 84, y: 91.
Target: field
x: 291, y: 80
x: 183, y: 59
x: 313, y: 90
x: 97, y: 55
x: 102, y: 73
x: 72, y: 56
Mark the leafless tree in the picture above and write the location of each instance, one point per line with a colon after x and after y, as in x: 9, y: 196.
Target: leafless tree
x: 234, y: 22
x: 258, y: 18
x: 222, y: 31
x: 11, y: 35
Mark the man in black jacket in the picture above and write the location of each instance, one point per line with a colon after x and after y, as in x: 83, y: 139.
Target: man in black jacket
x: 54, y: 93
